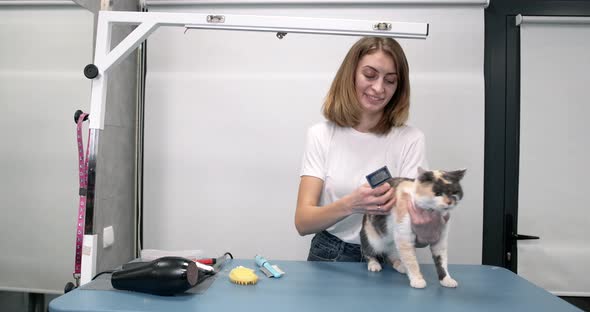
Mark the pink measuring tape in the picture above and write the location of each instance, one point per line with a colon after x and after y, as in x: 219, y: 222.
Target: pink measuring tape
x: 83, y: 169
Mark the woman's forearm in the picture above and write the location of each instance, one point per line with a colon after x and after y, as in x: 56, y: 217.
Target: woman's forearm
x: 311, y: 219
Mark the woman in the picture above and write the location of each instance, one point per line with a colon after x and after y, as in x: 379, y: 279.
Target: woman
x: 366, y: 110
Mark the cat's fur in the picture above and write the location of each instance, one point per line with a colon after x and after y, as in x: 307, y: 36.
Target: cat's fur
x: 387, y: 236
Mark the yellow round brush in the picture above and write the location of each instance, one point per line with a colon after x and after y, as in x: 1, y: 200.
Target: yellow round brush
x: 243, y: 276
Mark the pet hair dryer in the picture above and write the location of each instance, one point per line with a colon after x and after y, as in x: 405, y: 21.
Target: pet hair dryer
x: 164, y: 276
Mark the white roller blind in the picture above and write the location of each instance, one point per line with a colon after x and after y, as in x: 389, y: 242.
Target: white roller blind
x: 227, y: 112
x: 554, y: 152
x: 42, y: 53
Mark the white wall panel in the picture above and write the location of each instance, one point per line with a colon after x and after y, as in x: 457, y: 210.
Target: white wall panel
x: 227, y: 112
x: 554, y: 151
x: 42, y: 54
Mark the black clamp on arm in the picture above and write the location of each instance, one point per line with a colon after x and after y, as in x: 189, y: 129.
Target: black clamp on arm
x: 90, y: 71
x: 77, y: 115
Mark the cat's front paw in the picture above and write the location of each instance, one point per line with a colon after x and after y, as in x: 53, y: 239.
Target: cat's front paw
x: 374, y: 266
x: 399, y: 266
x: 449, y: 282
x: 418, y: 283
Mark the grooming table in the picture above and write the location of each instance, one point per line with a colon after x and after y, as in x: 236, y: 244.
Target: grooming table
x: 330, y: 286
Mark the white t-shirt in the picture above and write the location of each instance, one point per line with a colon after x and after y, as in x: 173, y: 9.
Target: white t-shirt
x: 342, y: 157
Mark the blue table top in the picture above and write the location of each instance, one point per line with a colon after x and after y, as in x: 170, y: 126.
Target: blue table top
x: 328, y: 286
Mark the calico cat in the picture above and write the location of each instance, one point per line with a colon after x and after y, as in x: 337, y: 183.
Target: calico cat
x: 387, y: 236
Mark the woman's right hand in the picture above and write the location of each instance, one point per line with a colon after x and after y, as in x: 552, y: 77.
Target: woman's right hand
x: 311, y: 218
x: 379, y: 200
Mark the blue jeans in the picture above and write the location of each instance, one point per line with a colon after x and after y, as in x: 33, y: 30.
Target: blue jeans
x: 327, y: 247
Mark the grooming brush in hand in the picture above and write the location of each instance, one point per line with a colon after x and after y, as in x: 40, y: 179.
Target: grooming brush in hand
x: 379, y: 177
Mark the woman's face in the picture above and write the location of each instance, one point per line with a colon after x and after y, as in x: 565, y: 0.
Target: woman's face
x: 375, y: 82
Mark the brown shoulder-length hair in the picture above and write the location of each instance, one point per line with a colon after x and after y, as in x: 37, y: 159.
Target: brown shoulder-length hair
x: 341, y: 105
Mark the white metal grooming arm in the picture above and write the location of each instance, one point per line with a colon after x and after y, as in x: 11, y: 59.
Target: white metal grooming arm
x: 148, y: 22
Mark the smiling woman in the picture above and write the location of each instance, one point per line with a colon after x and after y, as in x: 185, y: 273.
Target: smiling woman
x: 376, y: 82
x: 366, y: 110
x: 377, y: 70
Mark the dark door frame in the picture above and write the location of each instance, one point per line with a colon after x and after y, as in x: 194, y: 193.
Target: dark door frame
x: 502, y: 119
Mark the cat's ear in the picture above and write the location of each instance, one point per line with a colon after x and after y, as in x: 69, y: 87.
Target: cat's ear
x: 457, y: 175
x: 421, y: 170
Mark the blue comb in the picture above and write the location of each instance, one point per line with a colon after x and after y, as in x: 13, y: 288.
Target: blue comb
x: 263, y: 263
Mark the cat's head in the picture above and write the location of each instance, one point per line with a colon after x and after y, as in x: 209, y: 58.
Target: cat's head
x: 439, y: 190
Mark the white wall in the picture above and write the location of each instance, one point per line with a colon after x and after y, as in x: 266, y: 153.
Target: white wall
x: 42, y: 53
x: 227, y: 113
